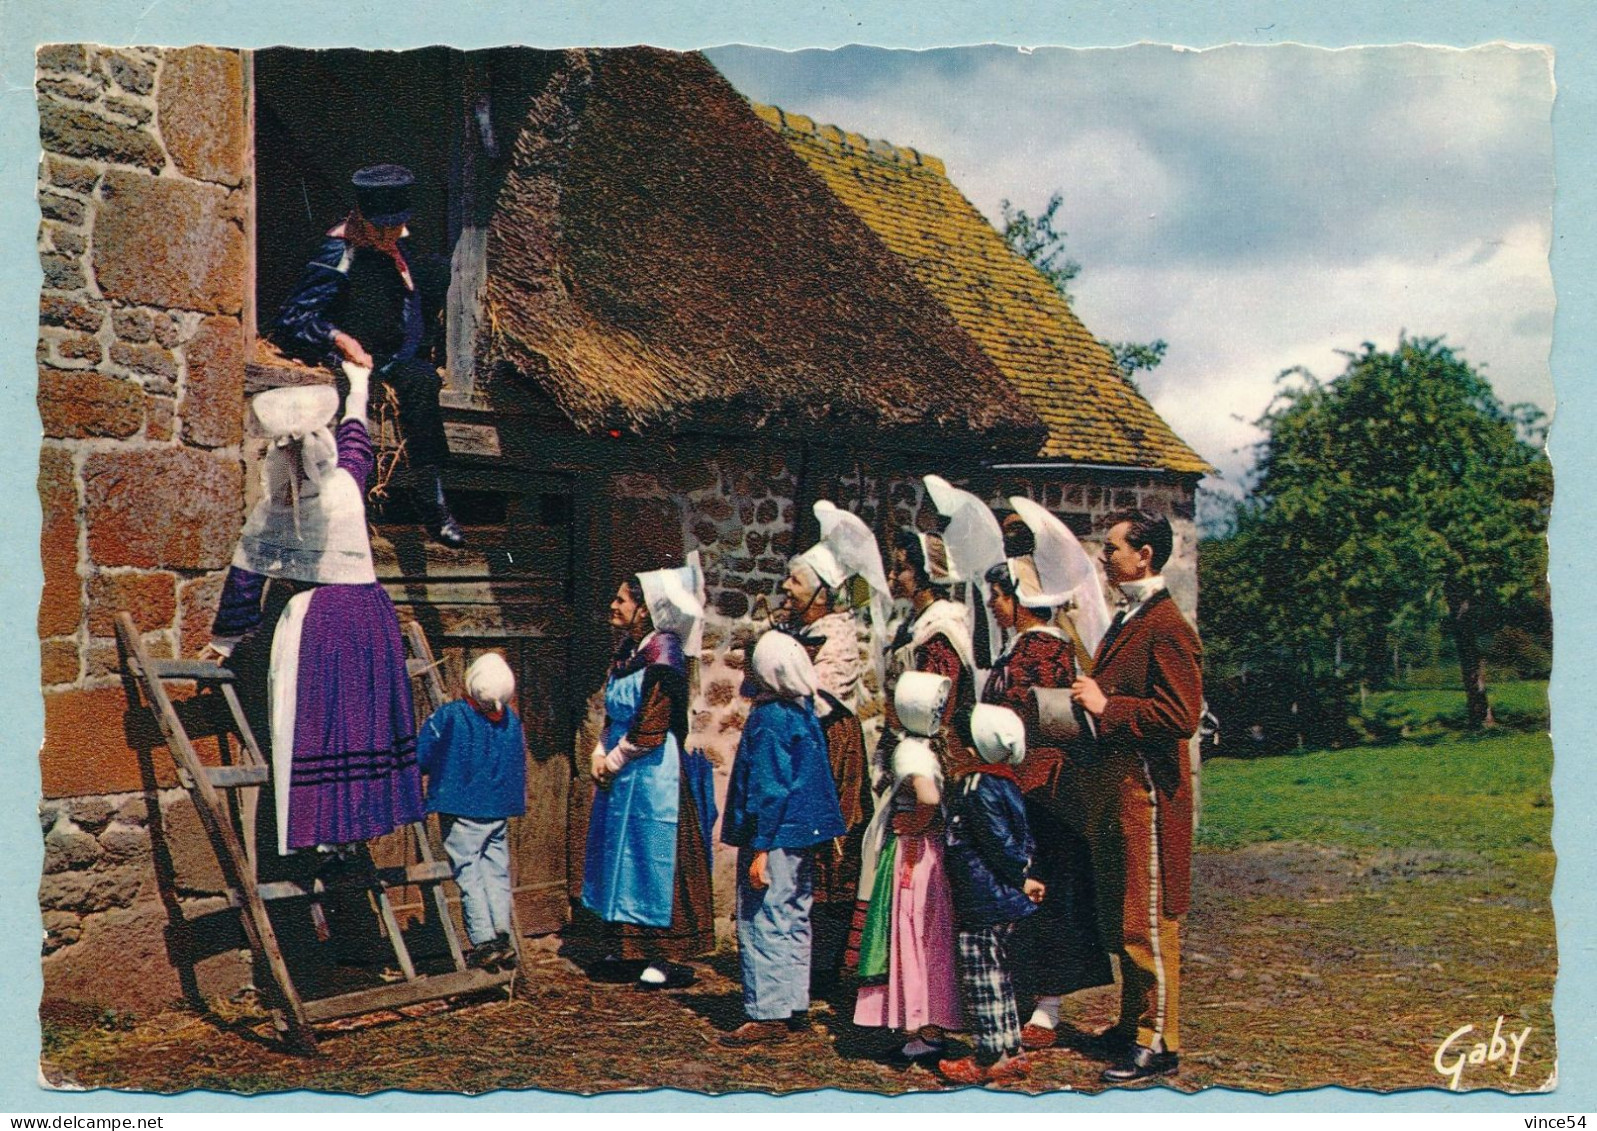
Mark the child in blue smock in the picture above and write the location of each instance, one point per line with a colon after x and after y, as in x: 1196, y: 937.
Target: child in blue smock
x: 474, y: 756
x: 780, y: 803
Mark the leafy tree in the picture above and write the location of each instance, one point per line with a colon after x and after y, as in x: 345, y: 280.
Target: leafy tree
x: 1043, y: 246
x: 1034, y: 238
x: 1401, y: 492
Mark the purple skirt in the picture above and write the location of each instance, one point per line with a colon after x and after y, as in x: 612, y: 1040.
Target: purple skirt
x: 354, y: 771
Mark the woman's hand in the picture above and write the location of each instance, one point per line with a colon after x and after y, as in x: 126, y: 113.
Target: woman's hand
x: 1034, y: 890
x: 759, y: 874
x: 351, y: 349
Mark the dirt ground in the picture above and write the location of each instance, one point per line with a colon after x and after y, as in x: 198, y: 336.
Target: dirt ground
x: 1302, y: 966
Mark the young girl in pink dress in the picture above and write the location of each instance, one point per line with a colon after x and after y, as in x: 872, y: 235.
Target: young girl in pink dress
x: 906, y: 966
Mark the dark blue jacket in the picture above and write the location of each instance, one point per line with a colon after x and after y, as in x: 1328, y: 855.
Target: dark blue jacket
x: 989, y: 850
x: 781, y: 794
x: 474, y: 767
x: 360, y: 293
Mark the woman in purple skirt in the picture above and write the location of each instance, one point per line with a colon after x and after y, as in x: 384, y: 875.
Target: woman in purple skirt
x: 302, y: 591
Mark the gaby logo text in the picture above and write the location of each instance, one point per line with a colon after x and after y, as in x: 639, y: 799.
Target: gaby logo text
x: 1452, y: 1054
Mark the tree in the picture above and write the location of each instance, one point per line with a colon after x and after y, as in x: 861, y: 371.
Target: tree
x: 1036, y: 239
x: 1399, y: 492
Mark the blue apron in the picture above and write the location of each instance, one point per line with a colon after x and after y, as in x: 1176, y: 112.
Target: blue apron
x: 630, y: 866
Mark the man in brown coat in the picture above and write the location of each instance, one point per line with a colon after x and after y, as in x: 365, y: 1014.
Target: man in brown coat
x: 1145, y: 698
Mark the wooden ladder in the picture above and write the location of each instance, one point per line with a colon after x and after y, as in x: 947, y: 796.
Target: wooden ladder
x: 292, y: 1015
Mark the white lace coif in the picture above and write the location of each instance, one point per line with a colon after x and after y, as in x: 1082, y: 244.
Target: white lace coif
x: 310, y: 524
x: 783, y: 667
x: 490, y: 681
x: 675, y: 600
x: 919, y: 700
x: 999, y: 735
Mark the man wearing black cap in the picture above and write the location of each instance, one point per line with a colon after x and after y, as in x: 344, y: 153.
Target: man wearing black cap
x: 358, y: 301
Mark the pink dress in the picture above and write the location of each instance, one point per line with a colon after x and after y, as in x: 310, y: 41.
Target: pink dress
x: 922, y: 983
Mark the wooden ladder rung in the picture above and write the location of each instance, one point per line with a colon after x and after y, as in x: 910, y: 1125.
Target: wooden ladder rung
x: 232, y: 777
x: 197, y: 670
x: 417, y: 874
x: 404, y: 993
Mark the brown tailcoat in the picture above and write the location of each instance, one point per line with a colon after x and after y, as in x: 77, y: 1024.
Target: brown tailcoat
x: 1152, y: 674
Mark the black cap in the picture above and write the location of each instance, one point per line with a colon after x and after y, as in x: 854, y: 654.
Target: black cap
x: 383, y: 193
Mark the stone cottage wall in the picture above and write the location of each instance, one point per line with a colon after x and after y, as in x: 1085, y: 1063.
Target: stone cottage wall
x: 144, y: 243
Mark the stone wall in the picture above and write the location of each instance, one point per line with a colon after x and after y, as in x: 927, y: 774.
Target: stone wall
x: 144, y: 199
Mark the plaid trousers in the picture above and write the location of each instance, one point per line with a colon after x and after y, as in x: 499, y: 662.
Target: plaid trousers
x: 989, y: 994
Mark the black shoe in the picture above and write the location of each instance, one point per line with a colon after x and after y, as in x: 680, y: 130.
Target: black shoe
x: 441, y: 523
x: 1142, y: 1064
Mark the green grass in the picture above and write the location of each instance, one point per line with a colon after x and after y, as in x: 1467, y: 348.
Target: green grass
x: 1518, y: 704
x: 1485, y: 795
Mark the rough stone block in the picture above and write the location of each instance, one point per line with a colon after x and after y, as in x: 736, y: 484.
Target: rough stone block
x: 145, y: 358
x: 213, y: 396
x: 90, y: 812
x: 132, y: 324
x: 78, y: 347
x: 71, y: 174
x: 705, y: 532
x: 767, y: 512
x: 68, y: 210
x: 78, y: 88
x: 169, y: 243
x: 162, y: 507
x: 61, y: 604
x: 196, y: 604
x: 731, y: 604
x: 70, y: 57
x: 66, y: 847
x: 166, y: 331
x: 89, y: 741
x: 74, y: 404
x: 124, y: 842
x: 61, y: 928
x: 202, y: 113
x: 93, y: 890
x: 66, y: 240
x: 716, y: 508
x: 161, y: 422
x: 756, y: 541
x: 58, y: 661
x: 746, y: 512
x: 194, y: 864
x: 62, y: 272
x: 77, y: 131
x: 134, y: 809
x: 720, y: 693
x: 71, y: 313
x: 151, y: 598
x: 129, y: 108
x: 130, y: 72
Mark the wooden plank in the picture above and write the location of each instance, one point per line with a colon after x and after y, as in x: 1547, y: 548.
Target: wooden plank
x: 430, y: 988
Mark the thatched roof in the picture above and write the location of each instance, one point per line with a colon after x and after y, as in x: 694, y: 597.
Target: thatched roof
x: 659, y: 261
x: 1019, y: 319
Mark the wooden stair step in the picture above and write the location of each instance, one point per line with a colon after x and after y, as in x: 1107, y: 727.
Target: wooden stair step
x: 427, y: 988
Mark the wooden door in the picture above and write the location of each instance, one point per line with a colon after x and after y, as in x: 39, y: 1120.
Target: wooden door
x: 508, y: 591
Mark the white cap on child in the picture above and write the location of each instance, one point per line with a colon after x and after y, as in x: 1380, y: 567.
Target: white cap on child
x: 918, y: 701
x: 490, y: 682
x: 999, y: 734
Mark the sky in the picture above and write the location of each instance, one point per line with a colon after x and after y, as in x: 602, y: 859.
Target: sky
x: 1259, y: 208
